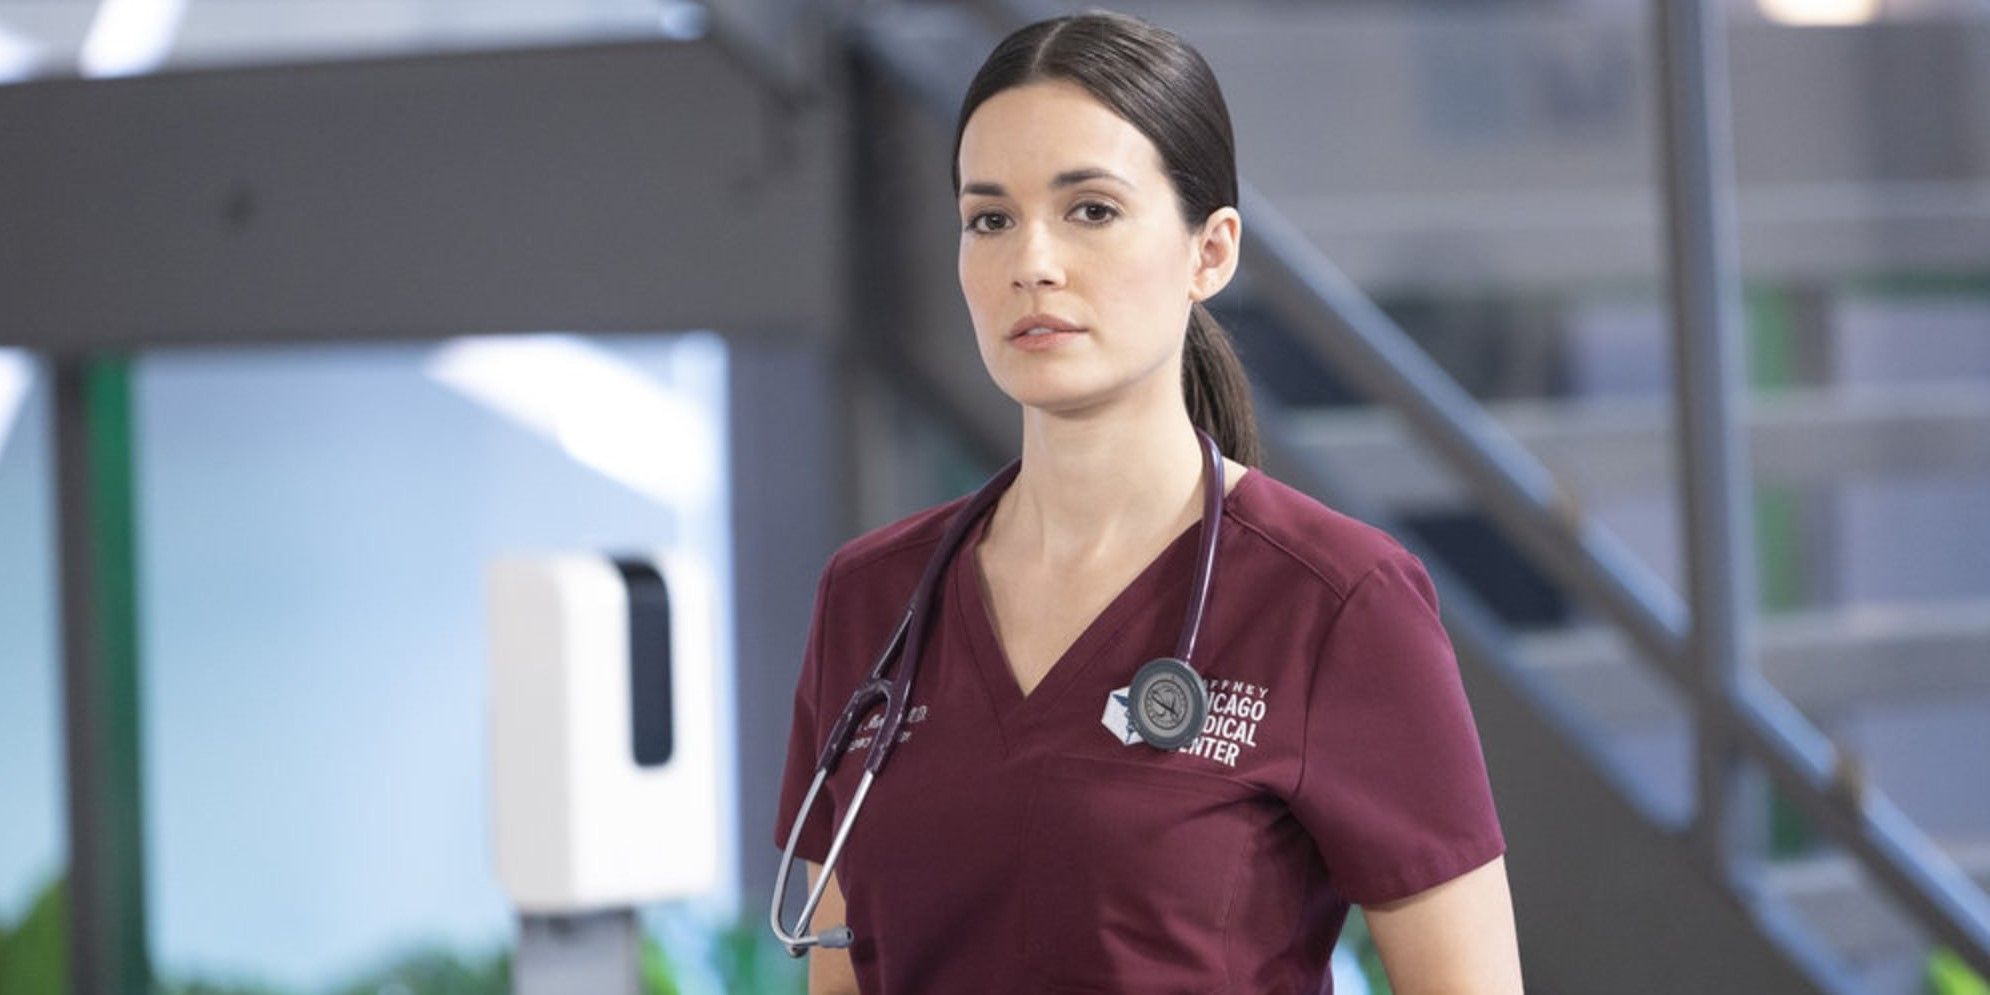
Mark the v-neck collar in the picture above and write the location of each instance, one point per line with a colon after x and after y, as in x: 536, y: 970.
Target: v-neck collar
x: 1165, y: 577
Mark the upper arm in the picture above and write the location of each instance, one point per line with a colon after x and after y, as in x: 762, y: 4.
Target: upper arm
x: 1456, y: 938
x: 829, y: 970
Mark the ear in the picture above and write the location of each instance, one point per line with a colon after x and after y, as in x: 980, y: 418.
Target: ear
x: 1216, y: 253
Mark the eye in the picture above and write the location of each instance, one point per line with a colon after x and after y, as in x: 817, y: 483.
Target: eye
x: 974, y: 223
x: 1095, y: 212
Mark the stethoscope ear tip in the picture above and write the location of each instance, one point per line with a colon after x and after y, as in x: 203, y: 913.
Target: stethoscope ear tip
x: 829, y: 939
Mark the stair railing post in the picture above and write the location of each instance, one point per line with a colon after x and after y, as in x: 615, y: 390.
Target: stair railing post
x: 1709, y: 385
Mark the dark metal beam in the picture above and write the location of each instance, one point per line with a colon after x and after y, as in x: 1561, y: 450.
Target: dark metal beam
x: 629, y: 186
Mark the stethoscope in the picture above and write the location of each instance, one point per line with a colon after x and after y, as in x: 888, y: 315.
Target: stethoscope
x: 1168, y: 701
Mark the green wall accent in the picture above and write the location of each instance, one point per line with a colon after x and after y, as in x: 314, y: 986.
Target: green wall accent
x: 1970, y: 283
x: 1771, y: 330
x: 1781, y: 570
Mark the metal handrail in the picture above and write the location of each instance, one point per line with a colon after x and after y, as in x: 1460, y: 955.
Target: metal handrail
x: 1350, y: 333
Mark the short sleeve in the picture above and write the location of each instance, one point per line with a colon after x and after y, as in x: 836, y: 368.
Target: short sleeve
x: 1393, y: 784
x: 805, y: 742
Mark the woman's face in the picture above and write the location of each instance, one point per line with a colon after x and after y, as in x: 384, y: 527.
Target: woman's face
x: 1066, y: 213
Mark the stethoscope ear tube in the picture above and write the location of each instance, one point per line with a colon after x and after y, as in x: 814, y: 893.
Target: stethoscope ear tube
x: 799, y: 941
x: 893, y: 695
x: 873, y: 692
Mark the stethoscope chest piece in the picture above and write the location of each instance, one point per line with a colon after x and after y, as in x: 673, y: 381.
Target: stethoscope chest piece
x: 1168, y: 703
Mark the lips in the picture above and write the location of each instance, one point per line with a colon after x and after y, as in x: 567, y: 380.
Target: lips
x: 1051, y: 322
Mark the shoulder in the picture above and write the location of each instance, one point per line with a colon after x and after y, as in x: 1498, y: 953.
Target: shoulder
x: 1315, y: 543
x: 889, y: 548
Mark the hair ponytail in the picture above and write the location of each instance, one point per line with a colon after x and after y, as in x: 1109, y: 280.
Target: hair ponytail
x: 1218, y: 393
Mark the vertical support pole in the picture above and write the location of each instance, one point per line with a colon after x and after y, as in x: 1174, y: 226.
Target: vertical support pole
x: 868, y: 301
x: 596, y: 952
x: 95, y: 511
x: 1709, y: 387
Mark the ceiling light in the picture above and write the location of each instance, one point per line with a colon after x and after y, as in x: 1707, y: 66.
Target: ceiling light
x: 129, y: 37
x: 605, y: 413
x: 17, y: 374
x: 1815, y: 13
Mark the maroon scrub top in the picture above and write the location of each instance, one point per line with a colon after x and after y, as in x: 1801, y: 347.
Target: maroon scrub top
x: 1022, y: 843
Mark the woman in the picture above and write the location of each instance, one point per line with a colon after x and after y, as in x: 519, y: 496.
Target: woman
x: 1033, y: 834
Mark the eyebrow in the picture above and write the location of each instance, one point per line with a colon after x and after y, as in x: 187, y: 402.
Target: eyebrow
x: 1068, y: 178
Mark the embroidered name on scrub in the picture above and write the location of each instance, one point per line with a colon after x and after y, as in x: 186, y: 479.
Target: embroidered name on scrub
x: 1235, y: 709
x: 916, y: 713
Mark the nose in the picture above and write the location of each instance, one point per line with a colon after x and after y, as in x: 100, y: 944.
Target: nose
x: 1036, y: 263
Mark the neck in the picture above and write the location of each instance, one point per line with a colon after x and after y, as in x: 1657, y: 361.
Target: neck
x: 1093, y: 486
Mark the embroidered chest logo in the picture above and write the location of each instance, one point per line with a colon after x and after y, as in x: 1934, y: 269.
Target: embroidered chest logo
x: 916, y: 713
x: 1235, y: 709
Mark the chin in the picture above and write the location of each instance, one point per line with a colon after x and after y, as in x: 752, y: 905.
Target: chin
x: 1056, y: 394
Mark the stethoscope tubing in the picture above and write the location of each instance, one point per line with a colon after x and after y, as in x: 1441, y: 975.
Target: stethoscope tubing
x: 1205, y: 561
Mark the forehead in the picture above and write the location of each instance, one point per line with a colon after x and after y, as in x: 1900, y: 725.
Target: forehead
x: 1024, y: 135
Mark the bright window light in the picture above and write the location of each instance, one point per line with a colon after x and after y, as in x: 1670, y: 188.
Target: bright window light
x: 17, y: 374
x: 18, y: 56
x: 129, y: 37
x: 606, y: 414
x: 683, y: 21
x: 1820, y: 12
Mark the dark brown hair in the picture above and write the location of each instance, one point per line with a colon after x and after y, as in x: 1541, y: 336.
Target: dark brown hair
x: 1159, y: 84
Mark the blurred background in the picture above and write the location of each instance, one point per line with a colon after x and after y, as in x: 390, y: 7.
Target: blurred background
x: 1661, y: 330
